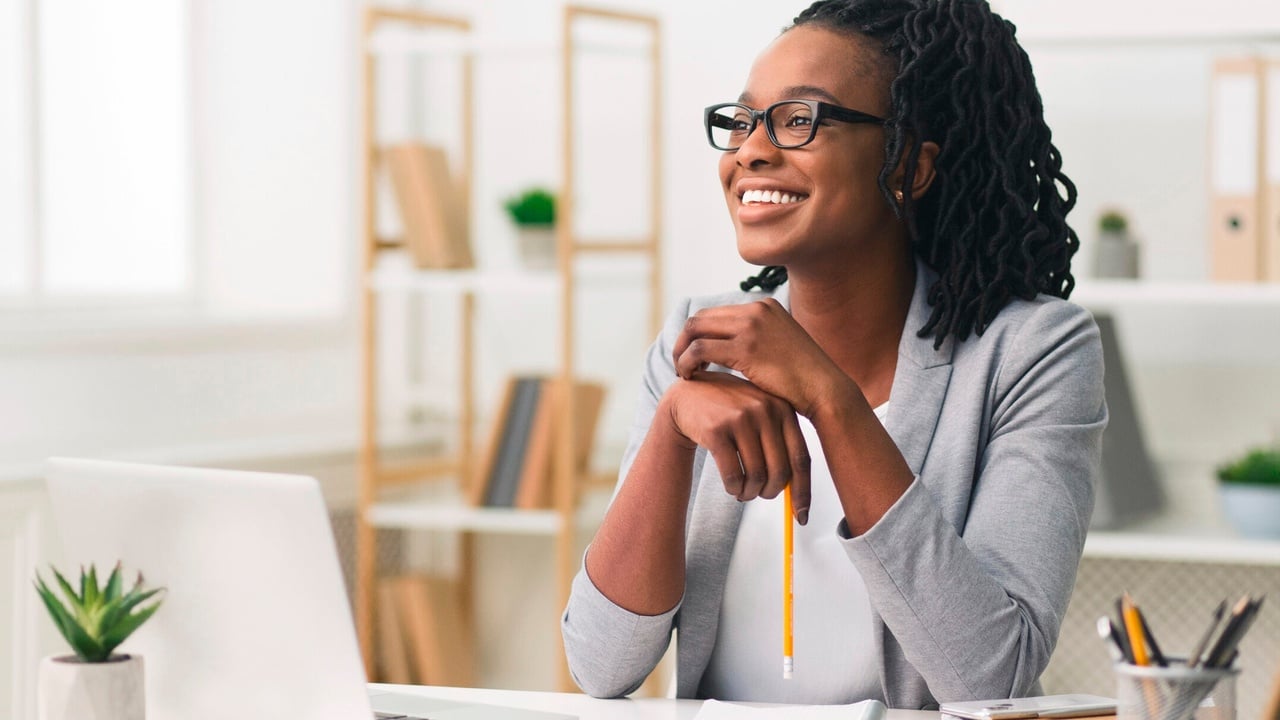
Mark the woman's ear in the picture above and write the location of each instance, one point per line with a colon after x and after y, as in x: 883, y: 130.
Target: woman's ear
x: 925, y: 170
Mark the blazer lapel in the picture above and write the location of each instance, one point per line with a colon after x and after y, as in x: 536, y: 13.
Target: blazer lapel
x: 920, y: 381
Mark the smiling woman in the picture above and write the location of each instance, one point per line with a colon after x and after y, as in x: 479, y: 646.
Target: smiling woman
x: 919, y: 385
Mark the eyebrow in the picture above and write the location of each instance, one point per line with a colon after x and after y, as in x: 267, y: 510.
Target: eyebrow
x: 798, y: 91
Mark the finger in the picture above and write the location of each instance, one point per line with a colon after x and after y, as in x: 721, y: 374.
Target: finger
x: 799, y: 458
x: 701, y: 352
x: 754, y: 468
x: 725, y: 453
x: 774, y: 443
x: 716, y: 322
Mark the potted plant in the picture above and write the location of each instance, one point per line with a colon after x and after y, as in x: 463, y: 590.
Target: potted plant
x: 1116, y: 255
x: 1250, y: 491
x: 95, y: 683
x: 534, y: 214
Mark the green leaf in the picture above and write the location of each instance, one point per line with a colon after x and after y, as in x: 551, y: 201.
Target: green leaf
x: 89, y: 588
x: 122, y: 606
x: 86, y: 647
x: 114, y: 584
x: 72, y: 598
x: 126, y: 626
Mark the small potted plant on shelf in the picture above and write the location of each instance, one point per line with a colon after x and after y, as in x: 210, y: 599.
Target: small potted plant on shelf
x: 1250, y: 491
x: 95, y: 683
x: 1116, y: 255
x: 534, y: 214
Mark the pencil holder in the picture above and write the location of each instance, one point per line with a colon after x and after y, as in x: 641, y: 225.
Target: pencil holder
x: 1176, y: 692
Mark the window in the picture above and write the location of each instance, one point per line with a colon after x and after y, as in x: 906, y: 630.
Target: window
x: 95, y: 173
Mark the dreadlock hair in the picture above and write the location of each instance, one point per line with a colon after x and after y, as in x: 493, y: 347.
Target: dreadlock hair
x: 993, y: 224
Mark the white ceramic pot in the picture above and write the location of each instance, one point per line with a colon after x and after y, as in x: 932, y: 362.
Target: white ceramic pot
x: 1253, y: 510
x: 537, y: 246
x: 1115, y: 256
x: 70, y: 689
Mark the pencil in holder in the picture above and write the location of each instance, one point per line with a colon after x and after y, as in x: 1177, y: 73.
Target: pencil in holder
x: 1176, y: 692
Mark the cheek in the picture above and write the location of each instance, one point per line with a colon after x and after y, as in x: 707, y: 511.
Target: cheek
x: 726, y: 168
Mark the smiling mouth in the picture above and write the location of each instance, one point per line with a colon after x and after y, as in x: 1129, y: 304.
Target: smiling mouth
x: 770, y: 197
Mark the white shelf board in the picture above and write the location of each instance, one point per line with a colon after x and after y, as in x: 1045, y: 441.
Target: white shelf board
x: 453, y: 517
x: 514, y: 282
x: 1206, y: 547
x: 589, y: 272
x: 450, y: 517
x: 1102, y: 294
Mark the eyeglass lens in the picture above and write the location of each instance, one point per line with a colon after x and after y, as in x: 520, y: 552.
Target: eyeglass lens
x: 790, y: 124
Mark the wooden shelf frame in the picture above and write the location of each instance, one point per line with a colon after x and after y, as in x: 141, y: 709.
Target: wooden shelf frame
x: 563, y: 522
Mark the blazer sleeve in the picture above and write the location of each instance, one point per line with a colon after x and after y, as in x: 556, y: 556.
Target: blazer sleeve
x: 611, y: 650
x: 976, y: 609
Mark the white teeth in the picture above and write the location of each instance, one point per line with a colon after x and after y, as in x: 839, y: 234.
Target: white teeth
x: 776, y: 197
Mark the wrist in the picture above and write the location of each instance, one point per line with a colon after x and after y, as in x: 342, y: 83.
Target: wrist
x: 665, y: 427
x: 836, y: 401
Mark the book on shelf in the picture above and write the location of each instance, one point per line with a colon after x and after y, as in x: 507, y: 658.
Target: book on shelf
x: 535, y: 490
x: 393, y: 653
x: 509, y: 441
x: 433, y: 622
x: 431, y: 206
x: 516, y: 470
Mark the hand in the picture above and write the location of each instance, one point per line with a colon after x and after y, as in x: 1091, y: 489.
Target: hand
x: 753, y: 436
x: 763, y: 342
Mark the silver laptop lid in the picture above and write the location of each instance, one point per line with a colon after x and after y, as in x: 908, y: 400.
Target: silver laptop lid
x: 255, y: 622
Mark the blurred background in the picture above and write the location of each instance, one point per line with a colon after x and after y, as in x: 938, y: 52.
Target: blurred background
x: 182, y: 224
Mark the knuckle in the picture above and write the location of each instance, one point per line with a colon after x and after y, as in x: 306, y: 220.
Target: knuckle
x: 802, y: 460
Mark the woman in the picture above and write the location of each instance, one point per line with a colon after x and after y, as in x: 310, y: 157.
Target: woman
x: 919, y: 382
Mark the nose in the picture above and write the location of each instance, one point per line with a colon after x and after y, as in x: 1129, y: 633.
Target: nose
x: 757, y: 149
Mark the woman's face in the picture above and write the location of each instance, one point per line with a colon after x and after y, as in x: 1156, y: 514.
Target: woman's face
x: 838, y: 207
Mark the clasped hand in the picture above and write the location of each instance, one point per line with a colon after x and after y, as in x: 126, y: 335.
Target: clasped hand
x: 749, y: 426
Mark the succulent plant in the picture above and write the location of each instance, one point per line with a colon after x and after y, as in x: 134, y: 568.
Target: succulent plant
x: 1258, y: 467
x: 534, y: 206
x: 1113, y: 221
x: 97, y: 618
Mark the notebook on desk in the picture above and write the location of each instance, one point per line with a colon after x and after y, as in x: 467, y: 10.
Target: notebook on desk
x: 255, y: 621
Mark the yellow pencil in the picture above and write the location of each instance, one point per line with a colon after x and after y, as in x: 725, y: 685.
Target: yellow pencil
x: 788, y: 610
x: 1133, y: 626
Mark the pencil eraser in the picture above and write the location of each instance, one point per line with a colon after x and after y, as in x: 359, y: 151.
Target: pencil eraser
x: 788, y: 668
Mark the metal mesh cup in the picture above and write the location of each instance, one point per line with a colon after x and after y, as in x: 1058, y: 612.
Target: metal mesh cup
x: 1176, y: 692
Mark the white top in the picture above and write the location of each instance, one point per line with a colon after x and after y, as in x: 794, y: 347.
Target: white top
x: 834, y: 658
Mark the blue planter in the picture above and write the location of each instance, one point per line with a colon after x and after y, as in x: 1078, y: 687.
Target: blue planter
x: 1254, y: 510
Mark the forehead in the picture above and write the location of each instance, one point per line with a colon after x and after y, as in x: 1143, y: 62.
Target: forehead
x: 844, y: 67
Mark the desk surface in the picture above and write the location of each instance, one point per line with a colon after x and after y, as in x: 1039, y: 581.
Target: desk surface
x: 588, y: 708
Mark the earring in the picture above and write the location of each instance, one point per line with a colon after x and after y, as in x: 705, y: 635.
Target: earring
x: 897, y: 195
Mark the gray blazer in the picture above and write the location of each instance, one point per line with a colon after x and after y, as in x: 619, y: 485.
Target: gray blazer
x: 969, y: 573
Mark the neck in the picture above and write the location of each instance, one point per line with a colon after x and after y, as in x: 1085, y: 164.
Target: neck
x: 857, y: 318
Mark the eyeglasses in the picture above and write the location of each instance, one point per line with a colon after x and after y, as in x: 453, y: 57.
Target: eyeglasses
x: 789, y: 124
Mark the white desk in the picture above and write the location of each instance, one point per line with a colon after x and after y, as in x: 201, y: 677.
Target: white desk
x: 589, y: 708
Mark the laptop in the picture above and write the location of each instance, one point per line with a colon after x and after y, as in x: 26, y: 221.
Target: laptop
x: 255, y: 621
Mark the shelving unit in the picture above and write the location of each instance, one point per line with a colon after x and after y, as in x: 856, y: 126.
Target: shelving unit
x: 577, y: 257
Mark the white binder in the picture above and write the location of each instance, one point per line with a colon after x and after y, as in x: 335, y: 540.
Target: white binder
x: 1236, y: 169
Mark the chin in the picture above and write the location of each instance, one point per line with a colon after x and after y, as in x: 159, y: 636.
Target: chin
x: 758, y: 250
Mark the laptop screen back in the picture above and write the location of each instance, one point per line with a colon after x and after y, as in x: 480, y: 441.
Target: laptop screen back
x: 255, y: 621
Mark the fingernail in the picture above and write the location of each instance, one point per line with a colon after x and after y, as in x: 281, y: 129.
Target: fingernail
x: 803, y: 516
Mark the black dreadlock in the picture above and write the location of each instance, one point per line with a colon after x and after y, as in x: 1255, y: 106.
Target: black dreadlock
x: 993, y: 224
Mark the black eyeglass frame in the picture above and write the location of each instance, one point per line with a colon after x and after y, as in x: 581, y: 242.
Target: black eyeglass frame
x: 821, y: 111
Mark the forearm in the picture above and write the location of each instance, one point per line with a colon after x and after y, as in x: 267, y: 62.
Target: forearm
x: 866, y: 466
x: 637, y: 557
x: 971, y: 625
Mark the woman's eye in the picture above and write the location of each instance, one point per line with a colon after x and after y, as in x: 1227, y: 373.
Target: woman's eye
x: 799, y: 121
